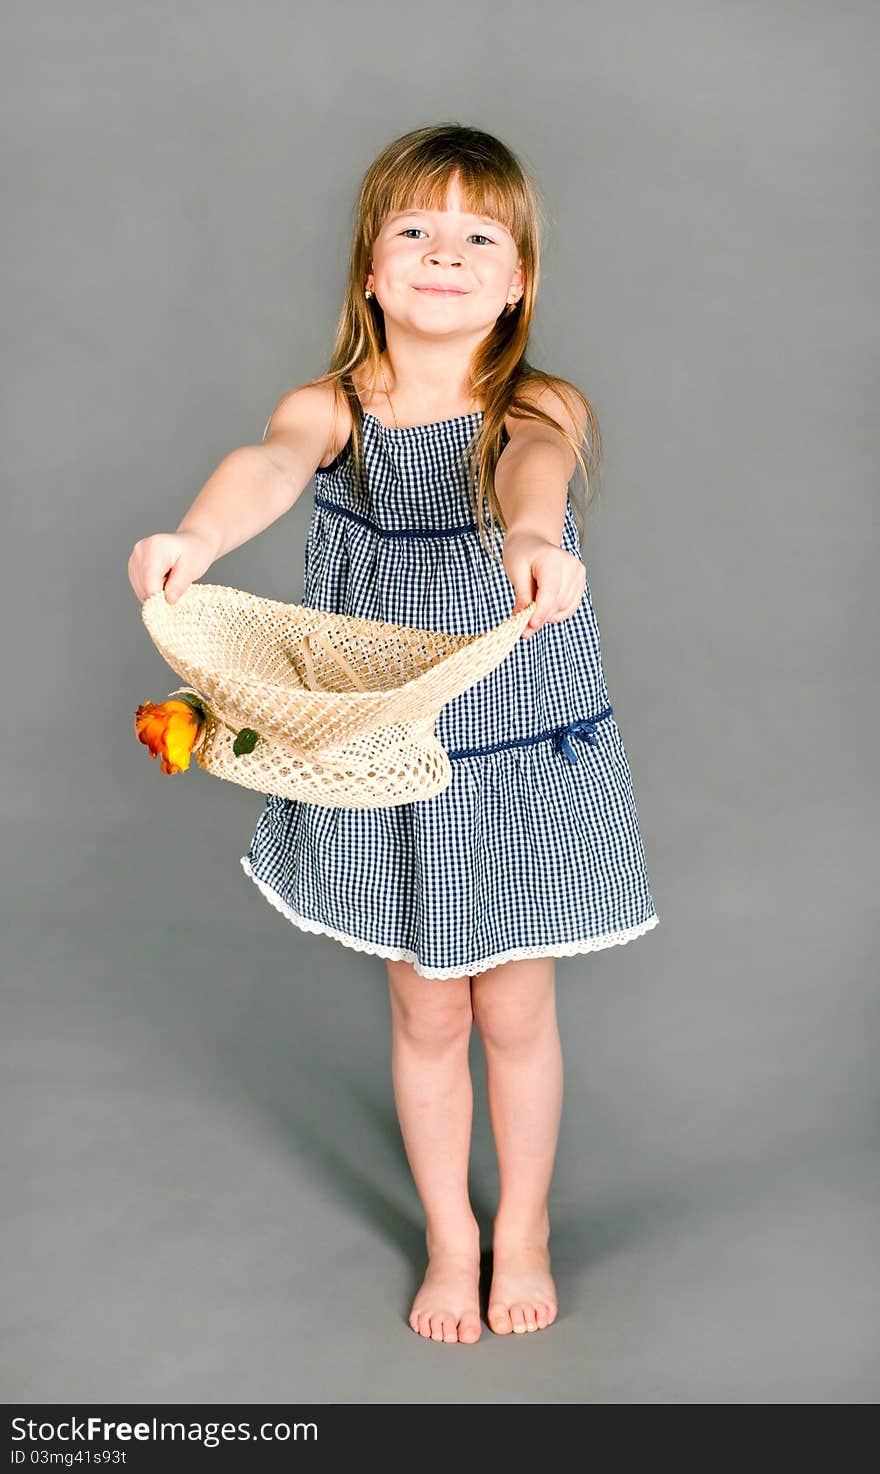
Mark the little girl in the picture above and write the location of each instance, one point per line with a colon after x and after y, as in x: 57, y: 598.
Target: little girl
x: 442, y: 461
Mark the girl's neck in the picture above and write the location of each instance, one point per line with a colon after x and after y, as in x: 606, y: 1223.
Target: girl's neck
x: 411, y: 406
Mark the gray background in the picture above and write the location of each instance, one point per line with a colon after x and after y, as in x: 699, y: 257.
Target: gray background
x: 206, y: 1196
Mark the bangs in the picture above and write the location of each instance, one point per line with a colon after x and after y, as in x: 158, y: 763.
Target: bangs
x: 428, y: 189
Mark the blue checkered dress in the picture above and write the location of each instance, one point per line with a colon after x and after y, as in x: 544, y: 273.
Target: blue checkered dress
x: 533, y: 849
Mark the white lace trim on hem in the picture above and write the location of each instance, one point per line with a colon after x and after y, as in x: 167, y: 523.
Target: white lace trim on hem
x: 562, y: 949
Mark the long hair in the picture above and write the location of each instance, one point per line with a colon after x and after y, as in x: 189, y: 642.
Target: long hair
x: 416, y: 170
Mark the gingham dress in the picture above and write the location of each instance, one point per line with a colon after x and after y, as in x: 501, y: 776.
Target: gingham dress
x: 534, y: 848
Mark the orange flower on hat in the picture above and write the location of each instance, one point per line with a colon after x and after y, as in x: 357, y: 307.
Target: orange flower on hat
x: 171, y: 730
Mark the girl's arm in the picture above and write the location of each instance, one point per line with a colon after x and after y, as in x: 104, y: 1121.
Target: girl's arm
x: 531, y: 483
x: 249, y: 490
x: 255, y: 484
x: 536, y: 466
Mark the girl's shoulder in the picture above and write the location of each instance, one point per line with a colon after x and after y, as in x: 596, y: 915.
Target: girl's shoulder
x: 569, y: 412
x: 556, y: 397
x: 319, y: 414
x: 312, y: 421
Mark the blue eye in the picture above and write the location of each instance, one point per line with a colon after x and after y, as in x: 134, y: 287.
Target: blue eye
x: 410, y: 228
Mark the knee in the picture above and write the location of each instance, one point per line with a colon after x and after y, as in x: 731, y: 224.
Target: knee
x: 511, y: 1024
x: 433, y: 1013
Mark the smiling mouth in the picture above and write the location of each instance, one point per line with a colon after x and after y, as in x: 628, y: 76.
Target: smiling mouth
x: 442, y: 291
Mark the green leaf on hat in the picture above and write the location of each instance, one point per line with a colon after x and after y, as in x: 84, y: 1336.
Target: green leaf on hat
x: 246, y: 741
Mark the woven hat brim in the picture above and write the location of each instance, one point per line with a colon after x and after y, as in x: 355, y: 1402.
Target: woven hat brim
x: 408, y: 766
x: 251, y: 658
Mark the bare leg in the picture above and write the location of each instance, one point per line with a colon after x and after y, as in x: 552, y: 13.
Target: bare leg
x: 431, y: 1021
x: 515, y: 1011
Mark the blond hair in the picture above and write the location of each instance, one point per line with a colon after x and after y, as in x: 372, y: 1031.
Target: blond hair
x: 416, y: 170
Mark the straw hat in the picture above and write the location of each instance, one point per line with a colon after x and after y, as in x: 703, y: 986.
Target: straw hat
x: 345, y: 708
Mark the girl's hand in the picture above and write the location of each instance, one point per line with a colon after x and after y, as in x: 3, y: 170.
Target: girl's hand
x: 540, y: 570
x: 169, y: 560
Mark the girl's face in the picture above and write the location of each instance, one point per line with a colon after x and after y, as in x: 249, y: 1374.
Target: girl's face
x: 441, y: 272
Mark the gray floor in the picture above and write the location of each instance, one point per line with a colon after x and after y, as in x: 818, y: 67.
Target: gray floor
x: 208, y: 1200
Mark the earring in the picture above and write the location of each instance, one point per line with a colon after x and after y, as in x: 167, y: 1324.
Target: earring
x: 368, y: 293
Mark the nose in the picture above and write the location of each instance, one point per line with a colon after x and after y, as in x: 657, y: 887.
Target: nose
x: 444, y: 258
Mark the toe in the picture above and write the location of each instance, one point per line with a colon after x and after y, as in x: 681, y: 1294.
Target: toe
x: 469, y: 1328
x: 542, y: 1316
x: 499, y: 1319
x: 450, y: 1328
x: 425, y: 1324
x: 518, y: 1319
x: 437, y: 1327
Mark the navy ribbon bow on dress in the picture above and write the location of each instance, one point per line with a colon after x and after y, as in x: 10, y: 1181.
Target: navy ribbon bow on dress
x: 585, y: 731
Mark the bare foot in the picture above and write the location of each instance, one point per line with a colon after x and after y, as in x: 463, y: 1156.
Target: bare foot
x: 447, y: 1305
x: 522, y: 1296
